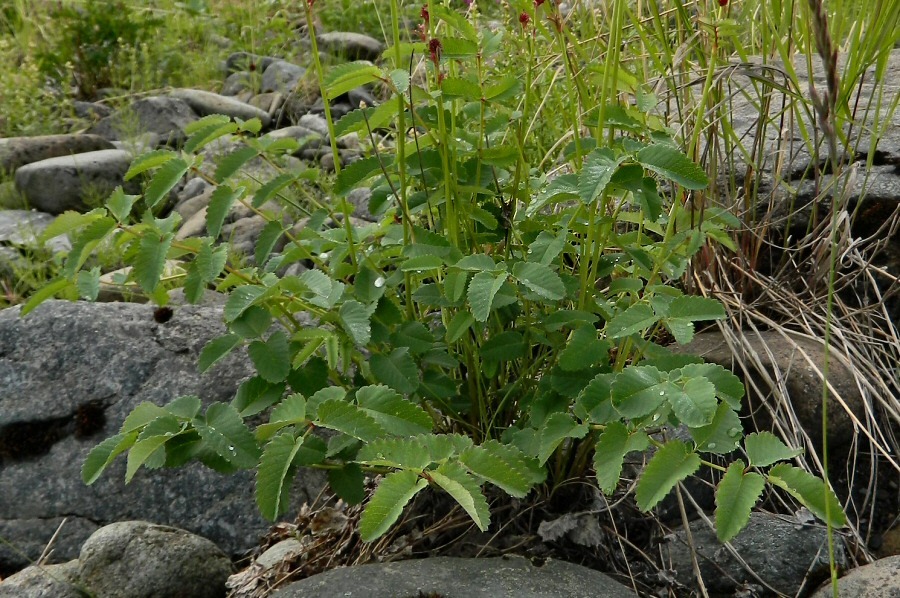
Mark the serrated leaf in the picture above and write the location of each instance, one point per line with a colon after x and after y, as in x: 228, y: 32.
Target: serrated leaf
x: 353, y: 174
x: 547, y: 247
x: 216, y: 349
x: 269, y: 236
x: 88, y: 283
x: 415, y: 336
x: 387, y: 503
x: 722, y: 435
x: 220, y: 203
x: 348, y: 419
x: 150, y: 261
x: 44, y: 293
x: 583, y: 350
x: 271, y: 358
x: 119, y: 204
x: 291, y: 411
x: 345, y: 77
x: 736, y: 495
x: 142, y: 415
x: 397, y: 370
x: 233, y: 162
x: 598, y: 170
x: 456, y: 87
x: 729, y: 387
x: 633, y: 320
x: 540, y: 279
x: 210, y: 262
x: 69, y: 221
x: 185, y: 407
x: 458, y: 326
x: 505, y: 346
x: 255, y: 395
x: 225, y: 433
x: 810, y: 491
x: 505, y: 87
x: 217, y: 126
x: 555, y: 429
x: 487, y: 462
x: 609, y: 455
x: 669, y: 162
x: 164, y: 180
x: 271, y: 187
x: 253, y: 323
x: 483, y: 287
x: 148, y: 161
x: 240, y: 299
x: 87, y: 238
x: 639, y: 390
x: 692, y: 308
x: 355, y: 320
x: 275, y: 475
x: 465, y: 490
x: 764, y: 449
x: 103, y: 454
x: 143, y: 451
x: 405, y: 453
x: 396, y: 415
x: 671, y: 464
x: 694, y: 404
x: 348, y: 483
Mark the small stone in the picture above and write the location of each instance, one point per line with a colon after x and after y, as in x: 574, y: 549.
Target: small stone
x: 281, y: 76
x: 45, y: 581
x: 163, y: 115
x: 237, y: 82
x: 247, y: 61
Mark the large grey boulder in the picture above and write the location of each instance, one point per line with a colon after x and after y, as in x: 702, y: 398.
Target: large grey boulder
x: 73, y: 182
x: 136, y: 559
x: 164, y: 117
x: 44, y: 581
x: 206, y: 102
x: 505, y: 577
x: 69, y: 375
x: 18, y: 151
x: 880, y: 579
x: 786, y: 554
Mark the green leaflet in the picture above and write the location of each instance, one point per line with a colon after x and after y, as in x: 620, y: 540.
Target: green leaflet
x: 225, y: 433
x: 151, y: 259
x: 397, y: 370
x: 736, y: 495
x: 348, y: 483
x: 216, y: 349
x: 396, y: 415
x: 104, y: 453
x: 350, y: 419
x: 272, y: 358
x: 392, y: 494
x: 465, y: 490
x: 764, y: 448
x: 276, y: 474
x: 495, y: 466
x: 164, y: 181
x: 540, y: 279
x: 609, y: 455
x: 671, y: 464
x: 482, y: 290
x: 671, y: 163
x: 220, y: 203
x: 810, y: 491
x: 633, y: 320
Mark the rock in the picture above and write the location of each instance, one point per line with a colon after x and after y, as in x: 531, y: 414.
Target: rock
x: 359, y: 199
x: 281, y: 76
x: 353, y: 46
x: 268, y: 102
x: 136, y: 559
x: 164, y: 116
x: 205, y: 103
x: 69, y: 374
x: 880, y: 579
x: 797, y: 361
x: 246, y: 61
x: 91, y: 110
x: 23, y: 227
x: 44, y: 581
x: 237, y: 82
x: 192, y: 188
x: 279, y: 552
x: 18, y: 151
x: 314, y: 122
x: 786, y: 554
x: 361, y: 95
x: 243, y: 234
x: 189, y: 207
x: 513, y: 577
x: 74, y: 182
x: 308, y: 138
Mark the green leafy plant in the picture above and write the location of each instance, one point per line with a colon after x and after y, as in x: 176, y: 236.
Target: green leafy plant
x: 499, y: 324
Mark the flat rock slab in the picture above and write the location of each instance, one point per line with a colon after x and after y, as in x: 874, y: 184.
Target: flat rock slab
x: 206, y: 102
x: 507, y: 577
x: 23, y: 227
x: 19, y: 151
x: 69, y: 375
x: 355, y: 46
x: 880, y: 579
x: 72, y: 182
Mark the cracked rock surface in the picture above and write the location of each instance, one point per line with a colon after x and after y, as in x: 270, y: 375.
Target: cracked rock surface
x: 69, y: 375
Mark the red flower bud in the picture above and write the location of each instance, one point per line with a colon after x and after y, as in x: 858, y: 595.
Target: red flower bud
x: 424, y: 14
x: 434, y: 48
x: 524, y: 19
x: 723, y: 2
